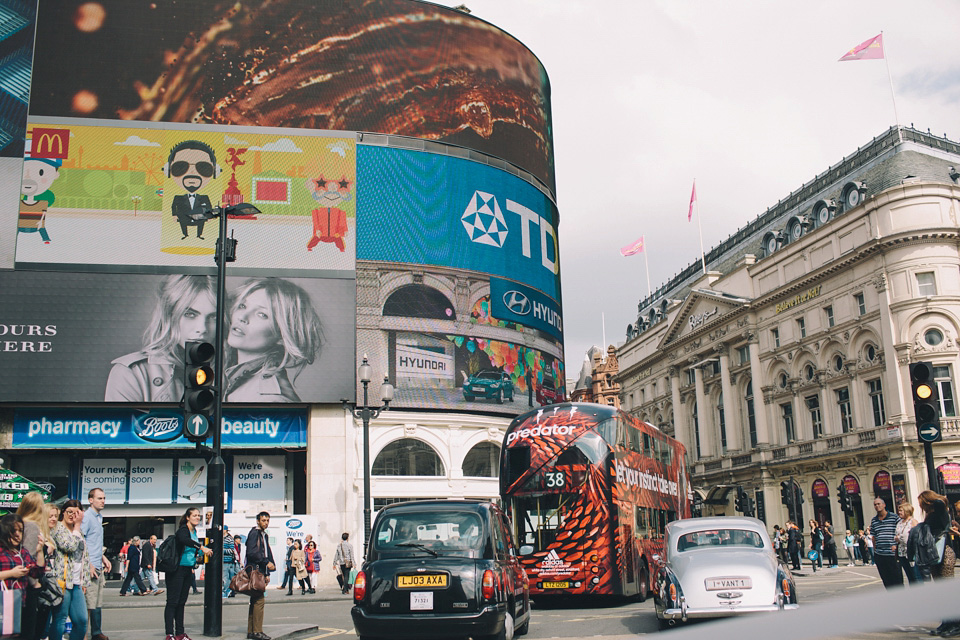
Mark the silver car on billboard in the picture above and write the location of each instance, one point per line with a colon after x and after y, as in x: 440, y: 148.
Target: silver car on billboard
x: 720, y: 567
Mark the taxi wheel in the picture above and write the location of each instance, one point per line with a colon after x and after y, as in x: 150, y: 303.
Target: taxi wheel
x: 506, y: 633
x: 644, y: 584
x: 468, y: 398
x: 523, y: 629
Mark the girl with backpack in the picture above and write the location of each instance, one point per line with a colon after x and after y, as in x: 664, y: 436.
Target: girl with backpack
x: 188, y: 548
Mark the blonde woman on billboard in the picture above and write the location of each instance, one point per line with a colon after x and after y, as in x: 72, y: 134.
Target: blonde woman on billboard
x: 186, y: 310
x: 274, y: 332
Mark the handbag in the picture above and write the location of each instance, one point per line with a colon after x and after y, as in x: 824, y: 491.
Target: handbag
x: 51, y: 588
x: 249, y: 581
x: 11, y: 609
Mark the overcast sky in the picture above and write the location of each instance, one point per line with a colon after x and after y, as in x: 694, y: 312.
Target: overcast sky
x: 746, y: 97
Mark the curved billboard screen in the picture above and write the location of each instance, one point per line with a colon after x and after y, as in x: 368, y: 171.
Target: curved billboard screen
x: 387, y: 66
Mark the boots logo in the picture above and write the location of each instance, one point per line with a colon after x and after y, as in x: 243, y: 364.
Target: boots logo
x: 484, y: 221
x: 517, y: 303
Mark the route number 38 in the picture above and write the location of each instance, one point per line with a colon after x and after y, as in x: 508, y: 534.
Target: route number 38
x: 554, y: 479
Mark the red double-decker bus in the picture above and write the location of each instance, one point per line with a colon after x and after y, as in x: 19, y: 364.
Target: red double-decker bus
x: 589, y: 490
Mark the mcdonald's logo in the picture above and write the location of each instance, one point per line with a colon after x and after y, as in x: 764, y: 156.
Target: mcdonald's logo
x: 50, y: 143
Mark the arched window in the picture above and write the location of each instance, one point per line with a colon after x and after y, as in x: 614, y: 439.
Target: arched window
x: 482, y: 461
x: 408, y: 457
x: 418, y: 301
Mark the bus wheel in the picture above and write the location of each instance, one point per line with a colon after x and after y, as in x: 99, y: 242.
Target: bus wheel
x: 644, y: 584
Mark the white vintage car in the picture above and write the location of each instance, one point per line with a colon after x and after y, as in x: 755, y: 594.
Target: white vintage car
x: 717, y: 567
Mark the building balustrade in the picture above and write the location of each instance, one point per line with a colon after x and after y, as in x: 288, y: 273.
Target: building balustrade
x: 860, y: 439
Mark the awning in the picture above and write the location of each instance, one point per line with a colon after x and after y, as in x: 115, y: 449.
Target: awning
x: 13, y: 487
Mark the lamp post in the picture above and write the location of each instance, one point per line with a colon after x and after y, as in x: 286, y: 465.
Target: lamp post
x: 366, y: 413
x: 213, y: 584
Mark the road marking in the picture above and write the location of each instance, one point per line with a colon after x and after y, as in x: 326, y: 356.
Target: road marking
x: 328, y: 633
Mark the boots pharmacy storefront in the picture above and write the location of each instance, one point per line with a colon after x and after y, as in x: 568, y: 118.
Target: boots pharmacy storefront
x: 150, y: 473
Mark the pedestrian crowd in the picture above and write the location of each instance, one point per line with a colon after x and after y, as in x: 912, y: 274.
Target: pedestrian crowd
x: 898, y: 544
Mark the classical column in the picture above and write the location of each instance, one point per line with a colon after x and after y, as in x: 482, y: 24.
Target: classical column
x: 681, y: 421
x: 734, y: 426
x: 704, y: 417
x: 759, y: 406
x: 896, y: 392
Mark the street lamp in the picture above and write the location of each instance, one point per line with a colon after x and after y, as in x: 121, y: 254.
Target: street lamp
x: 367, y: 413
x: 213, y: 586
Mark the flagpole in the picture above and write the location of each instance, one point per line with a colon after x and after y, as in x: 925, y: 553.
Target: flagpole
x: 886, y: 61
x: 703, y: 260
x: 603, y: 330
x: 646, y: 264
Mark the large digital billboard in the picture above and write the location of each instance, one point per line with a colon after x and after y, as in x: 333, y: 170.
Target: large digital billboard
x: 117, y: 193
x: 387, y: 66
x: 95, y: 337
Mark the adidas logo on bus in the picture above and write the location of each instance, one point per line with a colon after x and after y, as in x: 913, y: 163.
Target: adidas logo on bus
x: 552, y: 559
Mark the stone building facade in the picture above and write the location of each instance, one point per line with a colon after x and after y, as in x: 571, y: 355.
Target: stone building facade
x: 788, y: 359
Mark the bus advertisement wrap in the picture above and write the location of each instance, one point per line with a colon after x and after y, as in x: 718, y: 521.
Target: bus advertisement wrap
x: 590, y: 489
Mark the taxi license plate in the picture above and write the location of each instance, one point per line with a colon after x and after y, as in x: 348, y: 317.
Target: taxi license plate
x: 716, y: 584
x: 422, y: 580
x: 556, y: 585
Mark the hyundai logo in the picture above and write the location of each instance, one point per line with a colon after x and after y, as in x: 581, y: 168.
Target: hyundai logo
x: 517, y: 303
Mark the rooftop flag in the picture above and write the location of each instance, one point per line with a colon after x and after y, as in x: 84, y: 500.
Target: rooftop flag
x: 693, y: 198
x: 631, y: 249
x: 872, y: 49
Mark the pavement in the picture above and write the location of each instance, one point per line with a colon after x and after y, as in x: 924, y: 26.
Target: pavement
x: 113, y: 600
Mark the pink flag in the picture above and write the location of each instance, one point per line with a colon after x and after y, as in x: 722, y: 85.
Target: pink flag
x: 693, y: 198
x: 633, y: 248
x: 872, y: 49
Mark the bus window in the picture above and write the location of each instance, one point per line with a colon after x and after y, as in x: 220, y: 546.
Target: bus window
x: 635, y: 444
x: 538, y: 519
x: 517, y: 463
x: 647, y: 445
x: 608, y: 430
x: 642, y: 526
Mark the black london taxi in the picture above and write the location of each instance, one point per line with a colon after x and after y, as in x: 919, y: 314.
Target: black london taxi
x: 438, y: 569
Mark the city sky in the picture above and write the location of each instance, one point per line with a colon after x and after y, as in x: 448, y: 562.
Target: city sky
x: 748, y: 97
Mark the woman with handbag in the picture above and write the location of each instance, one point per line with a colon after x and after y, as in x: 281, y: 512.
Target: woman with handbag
x: 51, y: 594
x: 178, y: 580
x: 313, y: 565
x: 343, y: 562
x: 35, y: 533
x: 297, y: 561
x: 16, y: 569
x: 935, y: 528
x: 71, y: 565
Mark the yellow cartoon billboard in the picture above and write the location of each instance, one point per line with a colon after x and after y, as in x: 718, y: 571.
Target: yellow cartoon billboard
x: 110, y: 194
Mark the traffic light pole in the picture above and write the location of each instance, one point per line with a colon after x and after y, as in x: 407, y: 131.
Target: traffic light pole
x: 932, y: 479
x: 213, y: 584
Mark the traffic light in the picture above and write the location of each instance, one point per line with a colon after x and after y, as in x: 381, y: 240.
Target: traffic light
x: 785, y: 492
x: 926, y: 402
x: 739, y: 503
x: 748, y: 505
x: 846, y: 502
x: 199, y: 394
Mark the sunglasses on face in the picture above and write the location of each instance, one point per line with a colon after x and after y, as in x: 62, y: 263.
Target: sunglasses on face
x: 180, y: 168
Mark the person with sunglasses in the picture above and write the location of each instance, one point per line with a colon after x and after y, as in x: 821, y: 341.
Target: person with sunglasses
x: 192, y: 164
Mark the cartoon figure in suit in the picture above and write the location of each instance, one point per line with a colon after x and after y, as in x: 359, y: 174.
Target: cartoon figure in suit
x: 193, y: 164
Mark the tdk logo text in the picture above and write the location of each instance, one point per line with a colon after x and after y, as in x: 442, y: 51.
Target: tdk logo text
x: 516, y: 302
x: 485, y: 224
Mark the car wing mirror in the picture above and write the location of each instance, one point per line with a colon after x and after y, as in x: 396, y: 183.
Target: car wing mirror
x: 656, y: 557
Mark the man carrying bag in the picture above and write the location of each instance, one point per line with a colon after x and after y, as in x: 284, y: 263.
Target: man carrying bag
x: 259, y: 561
x: 343, y: 563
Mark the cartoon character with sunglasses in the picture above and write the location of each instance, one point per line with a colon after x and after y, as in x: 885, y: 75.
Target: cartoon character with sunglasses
x: 193, y: 164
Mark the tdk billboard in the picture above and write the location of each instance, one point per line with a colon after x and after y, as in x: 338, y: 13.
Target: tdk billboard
x: 425, y: 208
